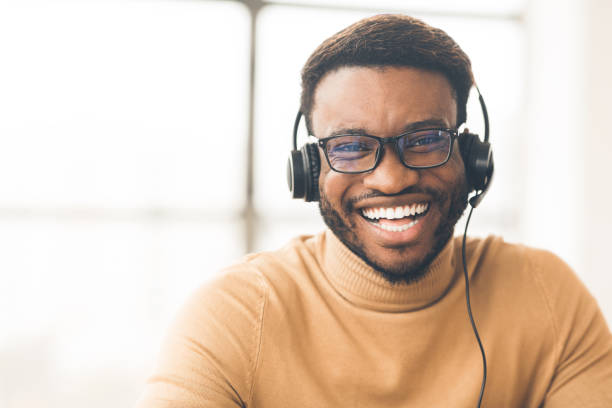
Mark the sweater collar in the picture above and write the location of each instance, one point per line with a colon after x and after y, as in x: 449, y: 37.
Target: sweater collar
x: 361, y: 285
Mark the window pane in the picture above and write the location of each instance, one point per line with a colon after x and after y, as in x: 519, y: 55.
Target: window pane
x: 274, y: 232
x: 123, y: 103
x: 84, y: 303
x: 122, y: 169
x: 439, y: 6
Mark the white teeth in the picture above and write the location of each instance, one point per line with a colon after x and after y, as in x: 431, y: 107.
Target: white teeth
x: 395, y: 213
x: 399, y: 212
x: 397, y: 228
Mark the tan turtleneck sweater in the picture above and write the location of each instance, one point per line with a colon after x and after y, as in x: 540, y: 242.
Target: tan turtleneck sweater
x: 311, y: 325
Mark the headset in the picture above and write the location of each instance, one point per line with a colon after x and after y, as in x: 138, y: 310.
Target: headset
x: 304, y: 165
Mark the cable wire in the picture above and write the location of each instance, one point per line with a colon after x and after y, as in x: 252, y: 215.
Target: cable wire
x: 469, y: 308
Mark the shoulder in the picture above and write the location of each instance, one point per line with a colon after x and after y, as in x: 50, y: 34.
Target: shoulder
x: 511, y: 261
x: 215, y: 339
x: 535, y: 304
x: 532, y: 281
x: 241, y: 291
x: 285, y: 271
x: 249, y: 278
x: 536, y: 281
x: 217, y: 330
x: 300, y: 251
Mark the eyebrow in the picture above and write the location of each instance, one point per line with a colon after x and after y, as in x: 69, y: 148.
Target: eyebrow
x: 422, y: 124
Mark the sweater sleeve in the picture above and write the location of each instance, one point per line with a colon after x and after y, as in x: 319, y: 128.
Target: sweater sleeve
x: 210, y: 354
x: 583, y: 372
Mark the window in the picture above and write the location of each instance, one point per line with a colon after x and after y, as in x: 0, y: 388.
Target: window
x: 125, y: 176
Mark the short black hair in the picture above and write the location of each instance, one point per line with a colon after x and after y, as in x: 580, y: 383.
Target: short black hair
x: 389, y: 40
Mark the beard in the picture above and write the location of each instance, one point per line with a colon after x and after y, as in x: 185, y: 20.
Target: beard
x: 344, y: 230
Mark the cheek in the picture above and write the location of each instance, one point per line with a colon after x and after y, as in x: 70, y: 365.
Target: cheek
x: 335, y: 186
x: 455, y: 173
x: 449, y: 179
x: 331, y: 185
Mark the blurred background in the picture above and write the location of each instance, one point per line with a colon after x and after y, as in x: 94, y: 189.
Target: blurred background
x: 143, y: 146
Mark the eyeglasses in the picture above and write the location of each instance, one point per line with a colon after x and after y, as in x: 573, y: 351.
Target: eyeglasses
x: 419, y: 149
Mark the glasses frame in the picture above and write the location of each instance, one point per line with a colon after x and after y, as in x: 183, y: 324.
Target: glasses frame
x: 386, y: 140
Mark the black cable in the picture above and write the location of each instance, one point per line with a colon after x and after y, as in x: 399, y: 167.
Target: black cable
x: 469, y: 308
x: 296, y: 124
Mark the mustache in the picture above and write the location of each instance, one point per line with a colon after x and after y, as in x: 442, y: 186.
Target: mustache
x: 436, y: 194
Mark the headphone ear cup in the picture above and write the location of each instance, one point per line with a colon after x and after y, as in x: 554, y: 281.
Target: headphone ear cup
x: 303, y: 168
x: 482, y: 165
x: 478, y: 160
x: 310, y: 153
x: 296, y: 174
x: 465, y: 143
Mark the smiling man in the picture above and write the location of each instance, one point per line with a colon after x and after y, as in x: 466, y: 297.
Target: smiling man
x: 397, y: 219
x: 372, y: 312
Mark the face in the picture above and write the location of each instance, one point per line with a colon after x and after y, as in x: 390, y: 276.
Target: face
x: 386, y: 102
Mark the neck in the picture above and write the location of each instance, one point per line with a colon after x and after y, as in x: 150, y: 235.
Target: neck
x: 364, y: 285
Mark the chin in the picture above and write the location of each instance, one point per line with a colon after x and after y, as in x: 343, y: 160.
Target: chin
x: 409, y: 264
x: 403, y: 265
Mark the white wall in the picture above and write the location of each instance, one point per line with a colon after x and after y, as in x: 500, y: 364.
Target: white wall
x: 566, y: 205
x: 596, y: 140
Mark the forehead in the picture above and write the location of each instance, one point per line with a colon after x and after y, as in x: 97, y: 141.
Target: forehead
x: 382, y: 101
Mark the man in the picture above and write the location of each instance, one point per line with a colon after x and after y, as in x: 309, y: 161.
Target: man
x: 371, y: 313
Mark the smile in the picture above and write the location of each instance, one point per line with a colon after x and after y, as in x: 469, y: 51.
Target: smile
x: 404, y: 217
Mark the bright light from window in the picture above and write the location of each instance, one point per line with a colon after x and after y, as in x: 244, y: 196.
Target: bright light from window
x: 122, y: 174
x: 123, y: 104
x: 423, y: 6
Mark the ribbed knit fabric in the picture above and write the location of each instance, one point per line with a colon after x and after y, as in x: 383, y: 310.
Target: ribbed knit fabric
x: 359, y: 284
x: 311, y: 325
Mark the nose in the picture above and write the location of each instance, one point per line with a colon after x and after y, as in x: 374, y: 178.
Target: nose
x: 390, y: 176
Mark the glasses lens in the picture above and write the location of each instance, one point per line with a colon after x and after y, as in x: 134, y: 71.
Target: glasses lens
x: 425, y: 148
x: 352, y: 153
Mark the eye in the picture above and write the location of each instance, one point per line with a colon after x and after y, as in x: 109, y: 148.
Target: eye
x: 426, y: 140
x: 351, y: 146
